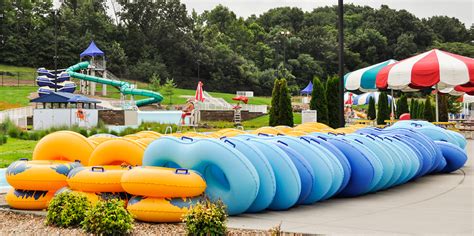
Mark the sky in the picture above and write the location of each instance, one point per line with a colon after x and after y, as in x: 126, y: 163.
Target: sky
x: 461, y: 9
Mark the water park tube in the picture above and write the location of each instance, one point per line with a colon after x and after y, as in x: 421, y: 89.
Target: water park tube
x: 124, y: 87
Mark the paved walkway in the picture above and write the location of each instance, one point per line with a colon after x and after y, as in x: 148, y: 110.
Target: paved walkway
x: 437, y: 204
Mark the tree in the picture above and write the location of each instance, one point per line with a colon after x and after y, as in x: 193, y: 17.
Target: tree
x: 428, y: 111
x: 284, y: 103
x: 448, y: 29
x: 405, y: 46
x: 332, y: 91
x: 383, y: 109
x: 454, y: 106
x: 420, y: 111
x: 413, y: 106
x: 274, y: 109
x: 371, y: 113
x: 402, y: 105
x: 319, y: 101
x: 443, y: 107
x: 168, y: 89
x: 155, y: 82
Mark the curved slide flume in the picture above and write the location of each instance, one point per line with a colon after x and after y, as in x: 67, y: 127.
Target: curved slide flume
x: 124, y: 87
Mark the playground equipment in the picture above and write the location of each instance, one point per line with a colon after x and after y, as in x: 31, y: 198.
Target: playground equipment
x: 317, y: 165
x: 124, y: 87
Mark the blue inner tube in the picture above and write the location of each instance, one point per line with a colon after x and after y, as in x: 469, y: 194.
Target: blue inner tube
x: 267, y: 188
x: 324, y: 173
x: 346, y: 167
x: 436, y: 133
x: 362, y: 169
x: 458, y: 137
x: 382, y: 154
x: 410, y: 156
x: 421, y: 152
x: 214, y: 160
x: 402, y: 154
x: 304, y: 170
x: 455, y: 156
x: 396, y: 157
x: 288, y: 182
x: 375, y: 162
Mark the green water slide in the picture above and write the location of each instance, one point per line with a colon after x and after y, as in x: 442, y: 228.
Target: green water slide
x: 124, y: 87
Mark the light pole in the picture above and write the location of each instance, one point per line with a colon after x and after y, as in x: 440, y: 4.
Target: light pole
x: 340, y: 10
x: 285, y: 34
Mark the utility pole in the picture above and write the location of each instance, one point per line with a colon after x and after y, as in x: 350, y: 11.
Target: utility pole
x: 340, y: 9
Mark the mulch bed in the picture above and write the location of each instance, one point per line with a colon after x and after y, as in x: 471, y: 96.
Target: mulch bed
x: 13, y: 223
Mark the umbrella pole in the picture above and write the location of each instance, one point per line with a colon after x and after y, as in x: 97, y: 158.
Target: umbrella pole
x: 392, y: 115
x: 437, y: 108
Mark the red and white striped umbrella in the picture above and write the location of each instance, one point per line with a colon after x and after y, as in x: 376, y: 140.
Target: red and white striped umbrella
x: 199, y: 92
x: 433, y: 68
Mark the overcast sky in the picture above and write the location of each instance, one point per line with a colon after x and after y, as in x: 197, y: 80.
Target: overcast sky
x: 462, y: 9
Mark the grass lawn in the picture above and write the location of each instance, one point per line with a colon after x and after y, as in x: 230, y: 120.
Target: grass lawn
x: 248, y: 125
x: 17, y: 69
x: 15, y: 149
x: 13, y: 96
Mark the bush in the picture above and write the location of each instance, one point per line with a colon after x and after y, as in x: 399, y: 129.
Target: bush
x: 429, y: 111
x: 402, y: 105
x: 274, y: 108
x: 371, y: 113
x: 93, y: 131
x: 383, y: 109
x: 319, y: 101
x: 206, y: 218
x: 84, y: 132
x: 108, y: 218
x: 284, y: 103
x: 332, y: 95
x: 67, y: 209
x: 3, y: 139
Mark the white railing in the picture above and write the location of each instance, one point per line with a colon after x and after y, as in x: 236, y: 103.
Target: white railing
x: 17, y: 115
x: 245, y: 107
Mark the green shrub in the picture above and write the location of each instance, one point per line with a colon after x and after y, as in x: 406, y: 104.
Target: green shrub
x: 83, y: 132
x: 33, y: 135
x: 206, y: 218
x: 113, y: 132
x: 275, y: 108
x: 108, y: 218
x: 67, y: 209
x: 3, y: 139
x: 371, y: 113
x: 429, y: 113
x: 319, y: 101
x: 13, y: 131
x: 332, y: 96
x: 383, y: 109
x: 93, y: 131
x: 284, y: 104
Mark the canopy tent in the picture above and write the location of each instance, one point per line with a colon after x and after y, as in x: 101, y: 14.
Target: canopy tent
x: 364, y: 79
x: 308, y: 90
x: 435, y: 68
x: 61, y: 97
x: 199, y: 92
x: 92, y: 51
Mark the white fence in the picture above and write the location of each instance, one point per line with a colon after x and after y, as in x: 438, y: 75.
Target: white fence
x: 17, y: 115
x: 245, y: 107
x: 48, y: 118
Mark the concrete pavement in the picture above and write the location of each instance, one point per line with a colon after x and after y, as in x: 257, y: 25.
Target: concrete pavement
x: 435, y: 204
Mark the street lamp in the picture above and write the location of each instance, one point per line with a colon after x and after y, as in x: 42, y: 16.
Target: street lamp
x: 55, y: 58
x: 285, y: 34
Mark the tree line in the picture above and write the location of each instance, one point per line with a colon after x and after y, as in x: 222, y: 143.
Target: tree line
x: 161, y: 39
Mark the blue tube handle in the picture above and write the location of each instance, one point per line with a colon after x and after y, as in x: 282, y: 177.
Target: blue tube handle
x: 23, y: 159
x: 188, y: 138
x: 263, y: 134
x: 279, y: 141
x: 323, y: 138
x: 305, y: 139
x: 229, y: 142
x: 358, y: 141
x: 316, y: 141
x: 181, y: 171
x: 223, y: 137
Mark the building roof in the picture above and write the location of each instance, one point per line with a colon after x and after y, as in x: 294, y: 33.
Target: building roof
x: 61, y: 97
x: 92, y: 51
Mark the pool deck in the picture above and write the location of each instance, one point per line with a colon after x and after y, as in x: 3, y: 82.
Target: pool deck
x: 436, y: 204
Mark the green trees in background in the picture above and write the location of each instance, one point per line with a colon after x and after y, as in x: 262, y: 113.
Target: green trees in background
x: 402, y: 105
x: 319, y: 101
x: 371, y: 113
x: 383, y: 109
x: 332, y: 91
x: 275, y: 106
x: 284, y: 103
x: 231, y: 53
x: 428, y: 113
